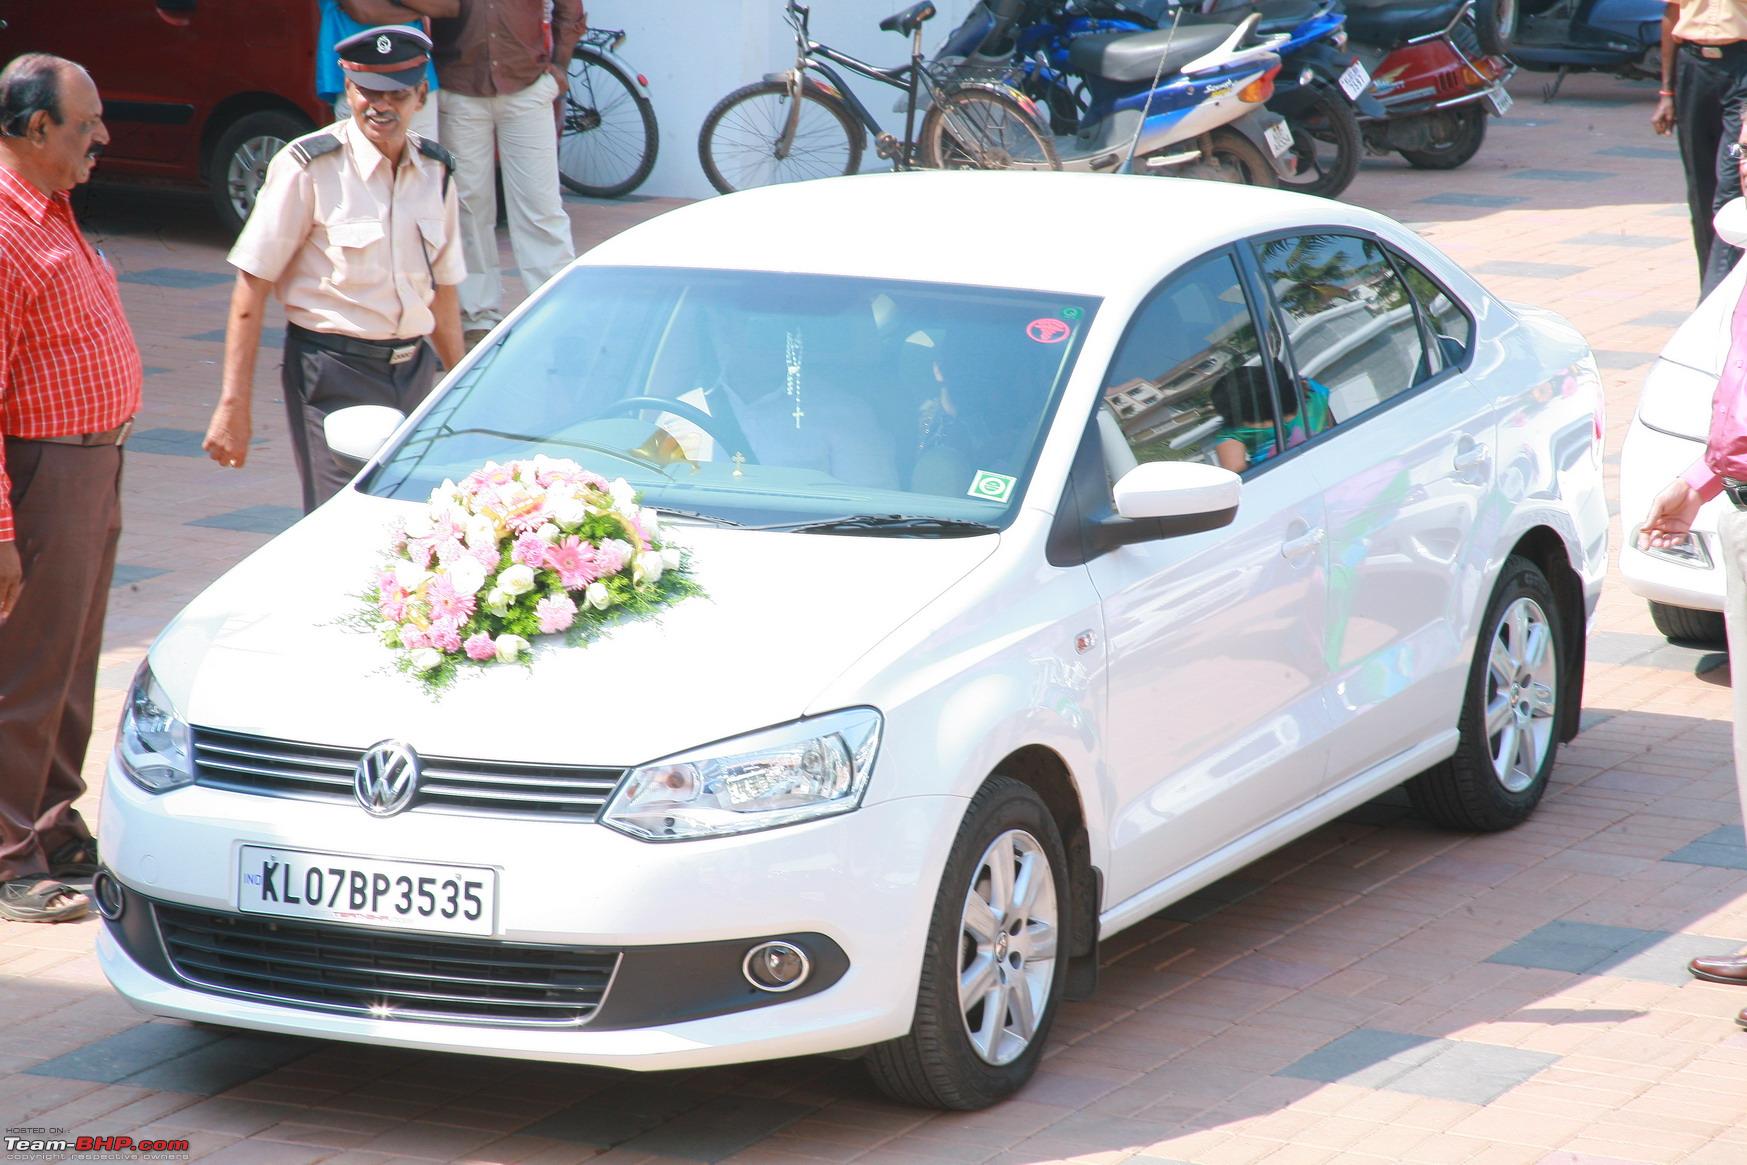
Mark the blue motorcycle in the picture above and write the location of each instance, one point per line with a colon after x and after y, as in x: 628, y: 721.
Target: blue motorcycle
x: 1562, y: 37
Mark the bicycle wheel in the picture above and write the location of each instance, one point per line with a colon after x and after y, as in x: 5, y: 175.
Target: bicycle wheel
x: 985, y: 129
x: 739, y: 140
x: 608, y: 143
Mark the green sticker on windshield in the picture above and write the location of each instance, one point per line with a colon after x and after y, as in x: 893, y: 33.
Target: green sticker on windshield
x: 1071, y: 313
x: 992, y: 487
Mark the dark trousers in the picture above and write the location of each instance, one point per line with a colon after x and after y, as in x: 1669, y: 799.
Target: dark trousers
x: 1707, y: 111
x: 66, y: 507
x: 318, y: 381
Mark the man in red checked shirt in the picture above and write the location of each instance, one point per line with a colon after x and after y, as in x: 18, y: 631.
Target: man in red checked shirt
x: 69, y: 387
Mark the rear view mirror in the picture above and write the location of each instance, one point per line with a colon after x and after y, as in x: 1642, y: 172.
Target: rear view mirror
x: 1178, y: 489
x: 1731, y: 222
x: 358, y: 431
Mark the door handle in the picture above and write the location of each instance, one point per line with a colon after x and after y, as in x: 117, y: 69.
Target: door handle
x: 1471, y: 457
x: 1304, y: 544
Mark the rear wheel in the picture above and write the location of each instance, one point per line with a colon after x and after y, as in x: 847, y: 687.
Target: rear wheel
x: 740, y: 144
x: 992, y: 967
x: 608, y: 142
x: 1326, y: 142
x: 1458, y: 138
x: 1511, y: 714
x: 1237, y: 159
x: 1495, y: 21
x: 239, y: 162
x: 982, y: 129
x: 1703, y: 627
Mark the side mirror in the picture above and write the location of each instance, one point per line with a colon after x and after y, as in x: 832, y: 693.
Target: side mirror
x: 1731, y: 222
x: 1167, y: 499
x: 358, y: 431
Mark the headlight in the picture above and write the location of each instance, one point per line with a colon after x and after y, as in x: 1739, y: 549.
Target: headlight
x: 1677, y: 400
x: 778, y: 776
x: 153, y: 746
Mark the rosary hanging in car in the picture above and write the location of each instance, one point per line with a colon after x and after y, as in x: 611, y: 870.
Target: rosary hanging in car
x: 793, y: 351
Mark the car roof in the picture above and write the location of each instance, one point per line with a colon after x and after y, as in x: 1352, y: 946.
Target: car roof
x: 1093, y: 234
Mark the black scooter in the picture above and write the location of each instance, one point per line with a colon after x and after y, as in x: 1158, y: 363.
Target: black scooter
x: 1562, y: 37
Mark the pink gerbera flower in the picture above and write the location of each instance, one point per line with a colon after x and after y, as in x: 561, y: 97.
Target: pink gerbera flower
x: 574, y: 560
x: 556, y: 613
x: 480, y: 647
x: 446, y: 635
x: 446, y: 604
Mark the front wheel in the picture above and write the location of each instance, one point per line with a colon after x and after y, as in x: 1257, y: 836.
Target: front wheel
x: 742, y: 142
x: 992, y: 967
x: 1326, y: 142
x: 1684, y: 623
x: 1459, y: 136
x: 983, y: 129
x: 609, y: 139
x: 1510, y: 715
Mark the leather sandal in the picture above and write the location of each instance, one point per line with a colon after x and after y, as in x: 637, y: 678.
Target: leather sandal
x: 76, y: 859
x: 39, y: 898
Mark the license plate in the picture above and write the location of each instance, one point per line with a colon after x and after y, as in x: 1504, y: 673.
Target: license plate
x: 1500, y: 100
x: 1355, y: 81
x: 1279, y: 137
x: 320, y: 887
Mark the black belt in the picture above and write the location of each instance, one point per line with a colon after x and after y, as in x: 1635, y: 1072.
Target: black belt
x: 1735, y: 491
x: 393, y: 351
x: 1715, y: 52
x: 115, y: 436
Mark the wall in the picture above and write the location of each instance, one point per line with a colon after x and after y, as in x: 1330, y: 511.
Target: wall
x: 695, y: 52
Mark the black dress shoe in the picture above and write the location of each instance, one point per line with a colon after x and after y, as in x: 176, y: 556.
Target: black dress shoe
x: 1729, y: 969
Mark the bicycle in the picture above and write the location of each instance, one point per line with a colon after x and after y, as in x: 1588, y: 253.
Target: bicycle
x: 608, y: 137
x: 792, y: 126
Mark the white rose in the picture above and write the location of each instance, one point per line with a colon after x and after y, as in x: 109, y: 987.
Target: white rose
x: 497, y: 602
x: 418, y: 525
x: 466, y: 575
x: 516, y: 579
x: 647, y: 568
x: 624, y: 497
x: 410, y: 575
x: 650, y: 520
x: 547, y: 533
x: 597, y: 596
x: 568, y: 510
x: 510, y: 647
x: 481, y: 531
x: 426, y: 658
x: 670, y: 557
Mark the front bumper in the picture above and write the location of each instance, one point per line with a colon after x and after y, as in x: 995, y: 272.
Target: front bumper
x: 1649, y: 460
x: 862, y: 884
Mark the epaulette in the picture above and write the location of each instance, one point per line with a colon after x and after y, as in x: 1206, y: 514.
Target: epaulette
x: 306, y: 149
x: 436, y: 153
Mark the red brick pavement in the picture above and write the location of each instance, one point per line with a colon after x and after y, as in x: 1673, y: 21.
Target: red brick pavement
x: 1376, y: 992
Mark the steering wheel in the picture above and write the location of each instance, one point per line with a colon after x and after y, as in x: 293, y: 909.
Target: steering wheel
x: 724, y: 429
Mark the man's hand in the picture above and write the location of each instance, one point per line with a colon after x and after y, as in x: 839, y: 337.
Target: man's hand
x: 227, y: 436
x: 1662, y: 121
x: 1671, y: 517
x: 11, y: 577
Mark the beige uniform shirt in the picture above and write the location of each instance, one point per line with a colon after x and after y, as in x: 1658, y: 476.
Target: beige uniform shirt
x: 352, y: 244
x: 1713, y: 22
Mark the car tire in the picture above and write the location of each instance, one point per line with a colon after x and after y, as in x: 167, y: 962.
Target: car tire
x: 239, y: 160
x: 941, y: 1063
x: 1688, y: 625
x: 1511, y: 711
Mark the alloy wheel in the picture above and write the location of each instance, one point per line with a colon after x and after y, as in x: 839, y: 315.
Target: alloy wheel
x: 247, y: 171
x: 1522, y: 684
x: 1007, y: 946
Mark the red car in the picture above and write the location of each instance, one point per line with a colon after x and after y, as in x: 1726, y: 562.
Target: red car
x: 195, y: 92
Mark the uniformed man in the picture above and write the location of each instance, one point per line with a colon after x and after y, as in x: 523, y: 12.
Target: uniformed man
x: 356, y: 230
x: 1704, y: 84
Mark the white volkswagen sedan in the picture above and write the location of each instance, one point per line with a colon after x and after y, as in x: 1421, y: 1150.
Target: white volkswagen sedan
x: 1050, y: 577
x: 1684, y: 583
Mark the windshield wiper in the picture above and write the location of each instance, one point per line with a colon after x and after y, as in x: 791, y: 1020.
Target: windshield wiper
x: 624, y: 455
x: 904, y: 524
x: 697, y: 516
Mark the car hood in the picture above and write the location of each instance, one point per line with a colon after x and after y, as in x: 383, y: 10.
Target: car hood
x: 267, y: 650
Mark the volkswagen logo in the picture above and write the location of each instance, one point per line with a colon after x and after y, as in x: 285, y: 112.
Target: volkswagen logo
x: 386, y: 778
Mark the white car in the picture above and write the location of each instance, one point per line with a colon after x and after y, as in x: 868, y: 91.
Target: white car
x: 1002, y: 530
x: 1684, y: 584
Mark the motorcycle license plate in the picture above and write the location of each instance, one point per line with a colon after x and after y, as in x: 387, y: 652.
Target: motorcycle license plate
x: 321, y: 887
x: 1355, y: 81
x: 1500, y: 101
x: 1279, y: 137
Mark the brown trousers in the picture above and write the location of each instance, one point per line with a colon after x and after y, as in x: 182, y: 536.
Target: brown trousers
x: 66, y: 507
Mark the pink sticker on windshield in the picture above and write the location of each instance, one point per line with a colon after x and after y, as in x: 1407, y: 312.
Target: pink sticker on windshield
x: 1048, y: 331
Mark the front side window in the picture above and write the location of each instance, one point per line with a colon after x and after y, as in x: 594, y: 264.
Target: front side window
x: 765, y: 398
x: 1188, y: 382
x: 1350, y: 324
x: 1448, y: 323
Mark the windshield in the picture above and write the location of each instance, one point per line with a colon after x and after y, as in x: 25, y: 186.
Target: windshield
x: 763, y: 398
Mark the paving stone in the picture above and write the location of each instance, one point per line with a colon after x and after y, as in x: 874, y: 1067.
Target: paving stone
x: 1725, y: 847
x: 1563, y: 175
x: 1422, y: 1065
x: 270, y: 337
x: 174, y: 442
x: 1623, y: 361
x: 615, y: 1115
x: 1469, y: 198
x: 176, y: 1058
x: 1621, y: 647
x: 1529, y: 270
x: 182, y: 278
x: 1650, y: 152
x: 1578, y: 947
x: 718, y: 1128
x: 1661, y: 319
x: 1605, y: 239
x: 126, y: 574
x: 1209, y: 900
x: 253, y: 519
x: 135, y: 1050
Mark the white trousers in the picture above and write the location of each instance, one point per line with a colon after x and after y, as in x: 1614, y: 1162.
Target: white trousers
x: 423, y: 123
x: 1732, y: 537
x: 520, y: 128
